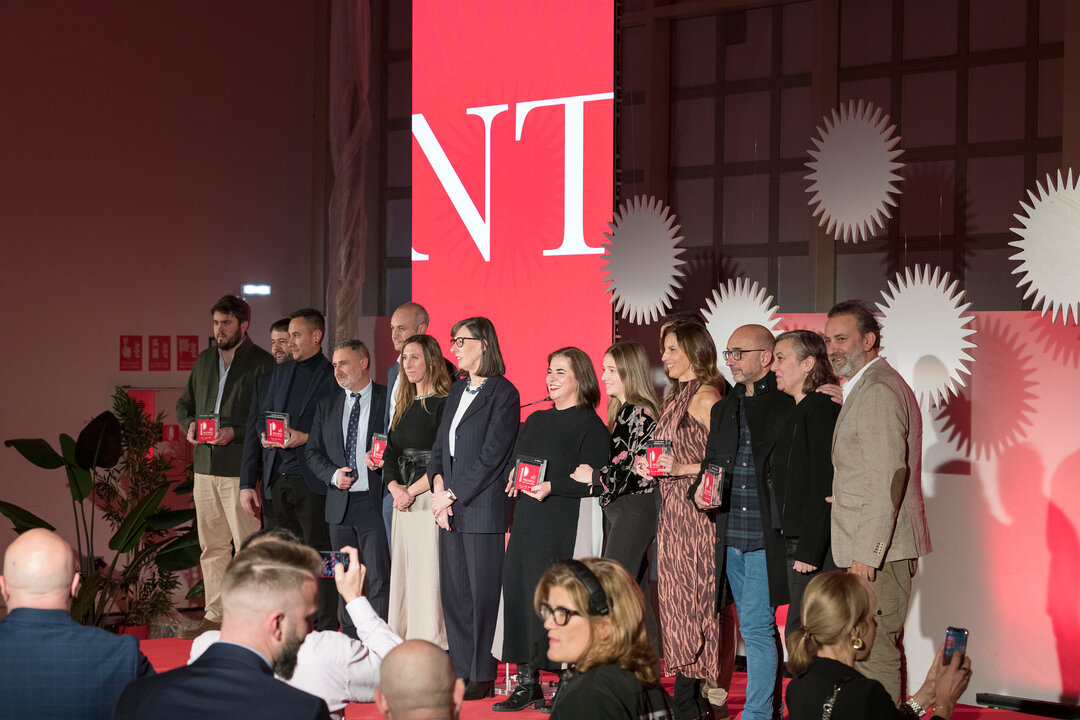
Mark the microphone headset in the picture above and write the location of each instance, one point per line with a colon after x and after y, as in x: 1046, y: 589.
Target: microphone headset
x: 598, y: 600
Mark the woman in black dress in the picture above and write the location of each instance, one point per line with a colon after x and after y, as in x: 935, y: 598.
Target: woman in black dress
x: 415, y: 607
x: 802, y: 461
x: 545, y: 518
x: 838, y: 629
x: 593, y: 613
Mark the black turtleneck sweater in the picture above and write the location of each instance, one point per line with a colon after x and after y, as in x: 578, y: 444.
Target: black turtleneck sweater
x: 286, y: 461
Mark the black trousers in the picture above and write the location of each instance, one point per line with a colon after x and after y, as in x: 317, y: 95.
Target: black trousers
x: 631, y: 521
x: 304, y: 512
x: 470, y: 574
x: 362, y: 528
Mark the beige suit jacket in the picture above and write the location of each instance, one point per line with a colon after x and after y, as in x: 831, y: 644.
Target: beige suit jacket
x: 878, y: 513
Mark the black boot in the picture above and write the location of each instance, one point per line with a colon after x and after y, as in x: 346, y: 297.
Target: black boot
x: 527, y: 693
x: 689, y: 704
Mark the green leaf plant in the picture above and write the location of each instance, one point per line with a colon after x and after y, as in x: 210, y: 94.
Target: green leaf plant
x: 113, y: 467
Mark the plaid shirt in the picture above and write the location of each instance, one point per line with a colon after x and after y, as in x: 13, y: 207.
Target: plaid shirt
x: 744, y: 529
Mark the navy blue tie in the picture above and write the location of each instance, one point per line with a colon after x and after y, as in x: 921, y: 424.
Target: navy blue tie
x: 350, y: 439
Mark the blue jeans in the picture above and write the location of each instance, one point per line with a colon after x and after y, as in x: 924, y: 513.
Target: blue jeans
x: 749, y: 580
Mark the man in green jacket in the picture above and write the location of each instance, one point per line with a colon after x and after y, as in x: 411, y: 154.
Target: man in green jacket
x: 220, y: 387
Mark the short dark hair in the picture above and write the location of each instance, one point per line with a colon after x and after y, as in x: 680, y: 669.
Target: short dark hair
x: 281, y: 325
x: 682, y: 316
x: 865, y: 320
x: 588, y: 387
x: 491, y: 360
x: 235, y: 306
x: 277, y: 532
x: 807, y: 343
x: 356, y: 345
x: 312, y: 316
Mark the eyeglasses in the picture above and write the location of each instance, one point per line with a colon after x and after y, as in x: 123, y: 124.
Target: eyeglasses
x: 561, y: 615
x: 737, y: 354
x: 460, y: 340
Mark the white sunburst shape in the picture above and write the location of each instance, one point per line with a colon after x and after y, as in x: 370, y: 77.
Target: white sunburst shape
x: 854, y: 178
x: 924, y: 331
x: 643, y: 259
x: 736, y: 303
x: 1050, y: 247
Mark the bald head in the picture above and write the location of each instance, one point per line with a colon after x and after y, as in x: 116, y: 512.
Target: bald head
x: 756, y: 345
x: 416, y: 680
x: 409, y: 319
x: 39, y: 572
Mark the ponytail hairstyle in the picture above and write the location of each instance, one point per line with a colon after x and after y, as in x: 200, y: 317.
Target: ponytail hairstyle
x: 834, y: 605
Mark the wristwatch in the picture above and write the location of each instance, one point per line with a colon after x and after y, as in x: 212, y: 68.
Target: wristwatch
x: 450, y: 495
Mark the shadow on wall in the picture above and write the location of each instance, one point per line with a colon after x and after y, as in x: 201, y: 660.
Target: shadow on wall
x: 1063, y: 588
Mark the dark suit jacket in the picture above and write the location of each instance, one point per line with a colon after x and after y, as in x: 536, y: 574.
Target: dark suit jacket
x: 256, y: 419
x: 226, y: 682
x: 767, y: 411
x: 484, y: 444
x: 322, y: 384
x: 326, y: 450
x: 53, y: 667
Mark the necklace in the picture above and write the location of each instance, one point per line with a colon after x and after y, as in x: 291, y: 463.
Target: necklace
x: 474, y: 390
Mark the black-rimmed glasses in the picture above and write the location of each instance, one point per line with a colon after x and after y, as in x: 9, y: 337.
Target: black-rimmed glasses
x: 737, y: 354
x: 460, y: 340
x: 561, y: 615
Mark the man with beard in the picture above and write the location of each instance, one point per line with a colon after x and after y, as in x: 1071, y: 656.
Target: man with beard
x: 878, y: 521
x: 269, y: 604
x: 340, y: 436
x: 221, y: 384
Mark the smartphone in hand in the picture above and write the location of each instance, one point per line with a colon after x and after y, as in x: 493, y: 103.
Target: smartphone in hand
x: 331, y: 558
x: 955, y: 642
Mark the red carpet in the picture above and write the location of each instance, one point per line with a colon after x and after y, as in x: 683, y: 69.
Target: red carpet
x: 170, y: 653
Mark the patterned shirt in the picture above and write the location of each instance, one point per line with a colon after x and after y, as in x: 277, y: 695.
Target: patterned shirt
x: 630, y: 438
x: 744, y: 529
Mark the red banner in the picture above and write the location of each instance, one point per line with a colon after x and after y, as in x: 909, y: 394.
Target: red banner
x: 131, y: 352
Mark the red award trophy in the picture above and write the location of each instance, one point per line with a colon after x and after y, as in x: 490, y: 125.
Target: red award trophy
x: 712, y: 485
x: 378, y: 447
x: 652, y: 455
x: 206, y: 428
x: 277, y: 427
x: 529, y: 472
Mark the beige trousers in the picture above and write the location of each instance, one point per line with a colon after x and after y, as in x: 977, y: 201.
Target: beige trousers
x: 415, y: 603
x: 893, y: 586
x: 222, y: 525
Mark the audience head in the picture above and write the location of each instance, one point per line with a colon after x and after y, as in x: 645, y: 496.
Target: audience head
x: 837, y: 614
x: 571, y: 379
x: 306, y: 330
x: 594, y: 614
x: 423, y: 366
x: 476, y: 347
x: 801, y: 363
x: 277, y: 532
x: 352, y: 365
x: 409, y: 319
x: 852, y: 336
x: 39, y: 572
x: 231, y: 316
x: 626, y: 379
x: 417, y: 681
x: 749, y: 353
x: 269, y: 598
x: 689, y: 353
x: 279, y: 340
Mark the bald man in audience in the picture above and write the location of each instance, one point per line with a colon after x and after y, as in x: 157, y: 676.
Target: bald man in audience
x: 418, y: 682
x: 50, y: 665
x: 269, y: 603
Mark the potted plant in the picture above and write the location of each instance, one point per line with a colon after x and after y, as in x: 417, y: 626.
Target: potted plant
x: 113, y: 470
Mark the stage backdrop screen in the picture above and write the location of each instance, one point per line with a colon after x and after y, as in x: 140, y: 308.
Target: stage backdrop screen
x: 512, y: 153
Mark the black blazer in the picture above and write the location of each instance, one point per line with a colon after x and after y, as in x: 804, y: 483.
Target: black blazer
x: 802, y: 475
x: 322, y: 384
x: 484, y: 444
x: 767, y: 411
x: 226, y: 682
x: 326, y: 450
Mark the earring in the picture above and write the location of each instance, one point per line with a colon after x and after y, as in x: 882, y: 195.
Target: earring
x: 858, y: 644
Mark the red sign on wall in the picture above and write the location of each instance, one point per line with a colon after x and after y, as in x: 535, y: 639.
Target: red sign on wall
x: 160, y: 352
x: 131, y: 353
x: 187, y: 349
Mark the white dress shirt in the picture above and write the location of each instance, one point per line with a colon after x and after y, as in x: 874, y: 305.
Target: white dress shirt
x: 466, y: 400
x: 850, y: 384
x: 357, y: 463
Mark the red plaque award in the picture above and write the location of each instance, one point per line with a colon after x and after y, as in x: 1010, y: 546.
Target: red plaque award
x: 277, y: 425
x: 529, y: 472
x: 652, y: 455
x: 712, y: 485
x: 378, y: 447
x: 206, y: 430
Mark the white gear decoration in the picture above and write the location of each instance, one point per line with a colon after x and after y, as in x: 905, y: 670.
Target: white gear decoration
x: 643, y: 259
x: 736, y: 303
x: 1050, y: 247
x: 924, y: 333
x: 854, y: 177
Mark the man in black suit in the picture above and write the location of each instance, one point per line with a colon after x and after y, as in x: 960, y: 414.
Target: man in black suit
x: 50, y: 665
x: 340, y: 436
x: 269, y: 602
x: 298, y: 496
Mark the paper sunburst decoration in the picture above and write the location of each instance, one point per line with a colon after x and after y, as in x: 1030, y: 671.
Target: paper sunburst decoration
x: 736, y: 303
x: 643, y: 259
x: 854, y: 172
x: 925, y: 333
x: 1050, y: 247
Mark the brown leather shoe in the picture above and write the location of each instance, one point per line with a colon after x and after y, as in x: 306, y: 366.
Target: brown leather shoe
x: 199, y: 629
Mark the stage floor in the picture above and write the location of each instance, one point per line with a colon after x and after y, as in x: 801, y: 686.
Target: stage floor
x: 170, y: 653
